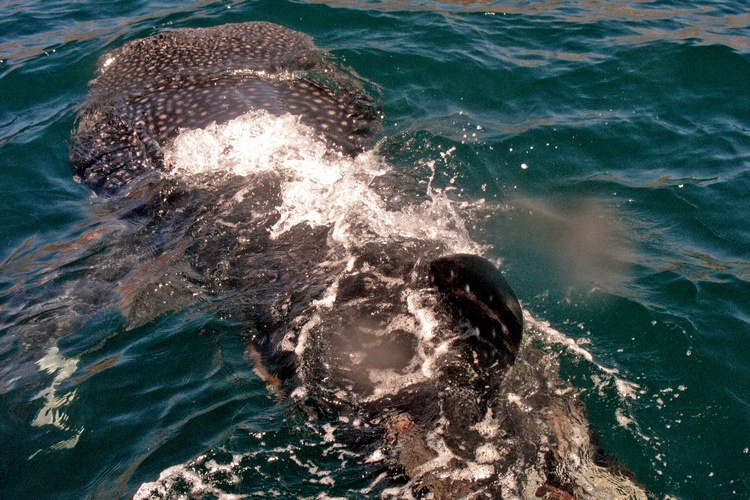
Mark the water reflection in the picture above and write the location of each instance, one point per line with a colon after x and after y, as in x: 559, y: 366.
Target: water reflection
x: 54, y: 412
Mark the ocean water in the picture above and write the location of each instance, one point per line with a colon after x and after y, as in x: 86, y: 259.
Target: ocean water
x: 599, y: 150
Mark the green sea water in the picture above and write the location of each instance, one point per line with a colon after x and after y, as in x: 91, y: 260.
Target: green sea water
x: 611, y: 139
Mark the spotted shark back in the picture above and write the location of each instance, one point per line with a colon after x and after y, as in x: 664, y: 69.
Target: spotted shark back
x: 150, y: 89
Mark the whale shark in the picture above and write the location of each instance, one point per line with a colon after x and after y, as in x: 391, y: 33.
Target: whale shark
x: 353, y: 307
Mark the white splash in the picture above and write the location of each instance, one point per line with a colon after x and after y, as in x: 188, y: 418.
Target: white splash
x: 319, y: 186
x: 181, y: 474
x: 625, y: 388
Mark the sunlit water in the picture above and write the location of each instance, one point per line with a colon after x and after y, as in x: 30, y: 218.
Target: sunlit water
x: 598, y: 151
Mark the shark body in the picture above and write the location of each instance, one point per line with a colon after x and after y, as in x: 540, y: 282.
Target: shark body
x: 414, y: 342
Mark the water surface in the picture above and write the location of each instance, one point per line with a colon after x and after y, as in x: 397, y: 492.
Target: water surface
x: 610, y: 144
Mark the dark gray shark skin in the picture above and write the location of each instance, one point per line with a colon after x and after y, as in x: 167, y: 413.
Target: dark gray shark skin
x: 319, y: 319
x: 150, y: 88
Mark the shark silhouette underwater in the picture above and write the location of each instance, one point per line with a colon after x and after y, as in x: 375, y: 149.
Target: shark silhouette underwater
x: 409, y: 346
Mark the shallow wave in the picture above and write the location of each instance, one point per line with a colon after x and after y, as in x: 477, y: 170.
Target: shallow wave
x: 637, y: 23
x: 38, y: 28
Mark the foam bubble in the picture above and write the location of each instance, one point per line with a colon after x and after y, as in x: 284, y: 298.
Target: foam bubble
x: 319, y: 187
x: 391, y: 382
x: 487, y: 427
x: 487, y: 454
x: 625, y: 388
x: 177, y: 476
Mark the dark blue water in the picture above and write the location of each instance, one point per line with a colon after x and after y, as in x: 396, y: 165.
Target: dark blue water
x: 612, y: 140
